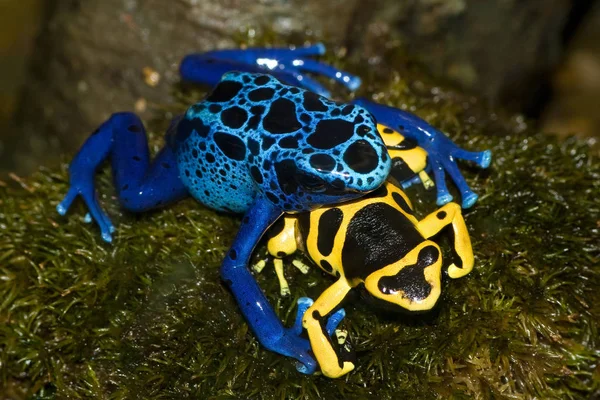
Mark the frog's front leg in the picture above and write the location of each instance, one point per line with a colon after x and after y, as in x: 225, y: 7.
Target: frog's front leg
x: 441, y: 151
x: 332, y: 363
x: 253, y: 303
x: 141, y: 185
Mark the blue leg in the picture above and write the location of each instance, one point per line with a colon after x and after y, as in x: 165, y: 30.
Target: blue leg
x: 253, y: 303
x: 140, y: 185
x: 285, y: 64
x: 441, y: 151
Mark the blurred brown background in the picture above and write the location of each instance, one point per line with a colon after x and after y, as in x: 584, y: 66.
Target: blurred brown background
x: 65, y: 65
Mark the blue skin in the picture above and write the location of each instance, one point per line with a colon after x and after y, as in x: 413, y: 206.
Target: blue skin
x: 289, y: 66
x: 238, y: 150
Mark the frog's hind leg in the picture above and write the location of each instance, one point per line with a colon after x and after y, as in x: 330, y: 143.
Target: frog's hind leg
x: 450, y: 214
x: 141, y: 185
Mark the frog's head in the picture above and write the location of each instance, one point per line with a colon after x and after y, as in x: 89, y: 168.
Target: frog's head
x: 338, y: 157
x: 412, y: 283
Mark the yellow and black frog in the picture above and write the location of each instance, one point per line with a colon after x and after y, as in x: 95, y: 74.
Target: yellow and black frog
x: 376, y: 242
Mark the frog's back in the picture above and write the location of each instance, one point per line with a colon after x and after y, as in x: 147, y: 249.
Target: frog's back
x: 253, y: 133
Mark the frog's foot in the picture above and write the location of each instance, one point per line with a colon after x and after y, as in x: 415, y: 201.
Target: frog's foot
x: 85, y: 189
x: 304, y: 303
x: 441, y: 151
x: 289, y: 65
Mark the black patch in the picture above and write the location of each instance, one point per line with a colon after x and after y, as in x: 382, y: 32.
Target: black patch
x: 209, y: 157
x: 329, y: 224
x: 441, y: 215
x: 199, y: 173
x: 400, y: 170
x: 312, y: 102
x: 289, y: 142
x: 257, y: 110
x: 234, y: 117
x: 187, y: 126
x: 256, y: 175
x: 305, y: 118
x: 362, y: 130
x: 253, y: 122
x: 304, y: 224
x: 401, y: 203
x: 202, y: 146
x: 347, y: 110
x: 262, y: 80
x: 322, y: 162
x: 215, y: 108
x: 266, y: 164
x: 134, y: 128
x: 361, y: 157
x: 411, y: 279
x: 336, y: 112
x: 379, y: 193
x: 388, y: 130
x: 267, y: 142
x: 261, y: 94
x: 232, y: 146
x: 330, y: 133
x: 225, y: 91
x: 326, y: 266
x: 378, y: 235
x: 272, y: 198
x: 406, y: 144
x: 277, y: 227
x: 253, y: 146
x: 282, y: 117
x: 287, y: 172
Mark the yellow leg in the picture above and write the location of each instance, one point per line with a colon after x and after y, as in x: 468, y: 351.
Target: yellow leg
x: 259, y: 266
x: 450, y: 214
x: 283, y: 285
x: 301, y: 266
x: 314, y: 321
x: 427, y: 182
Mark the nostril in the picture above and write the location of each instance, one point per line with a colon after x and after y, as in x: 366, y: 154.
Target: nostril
x: 361, y: 157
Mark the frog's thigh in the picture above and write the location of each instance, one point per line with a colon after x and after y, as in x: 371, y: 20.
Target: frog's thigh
x: 450, y: 214
x: 314, y: 322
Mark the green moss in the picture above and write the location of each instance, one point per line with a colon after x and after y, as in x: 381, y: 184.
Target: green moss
x: 147, y: 316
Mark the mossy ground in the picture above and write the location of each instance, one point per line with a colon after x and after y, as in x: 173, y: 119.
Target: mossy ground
x: 147, y: 316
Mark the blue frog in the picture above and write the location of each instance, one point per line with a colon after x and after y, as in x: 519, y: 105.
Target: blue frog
x: 261, y: 147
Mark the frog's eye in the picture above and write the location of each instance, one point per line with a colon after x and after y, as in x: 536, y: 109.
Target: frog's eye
x: 310, y: 182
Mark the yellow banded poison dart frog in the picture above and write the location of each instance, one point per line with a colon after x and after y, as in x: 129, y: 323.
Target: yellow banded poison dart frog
x: 375, y: 241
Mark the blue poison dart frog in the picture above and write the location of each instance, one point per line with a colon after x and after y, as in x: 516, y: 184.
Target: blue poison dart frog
x: 254, y: 146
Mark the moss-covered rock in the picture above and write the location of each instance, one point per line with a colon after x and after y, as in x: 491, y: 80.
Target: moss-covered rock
x: 147, y: 317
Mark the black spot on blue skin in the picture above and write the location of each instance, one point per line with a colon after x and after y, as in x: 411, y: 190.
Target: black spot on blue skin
x: 187, y: 126
x: 267, y: 142
x: 165, y: 165
x: 266, y: 164
x: 347, y: 110
x: 234, y: 117
x: 233, y: 254
x: 225, y: 91
x: 336, y: 113
x: 232, y: 146
x: 195, y: 153
x: 294, y: 90
x: 261, y: 94
x: 253, y: 146
x: 322, y: 162
x: 289, y: 142
x: 257, y: 110
x: 198, y: 173
x: 256, y: 175
x: 246, y: 79
x: 312, y: 102
x: 402, y: 203
x: 361, y: 157
x: 305, y: 118
x: 308, y: 150
x: 411, y: 279
x: 282, y: 117
x: 253, y: 122
x: 272, y: 197
x: 330, y: 133
x: 136, y: 158
x: 215, y: 108
x: 362, y: 130
x: 134, y: 128
x: 326, y: 266
x: 222, y: 172
x: 441, y: 215
x: 286, y: 171
x: 187, y: 173
x: 359, y: 119
x: 329, y: 224
x: 210, y: 158
x: 262, y: 80
x: 202, y: 146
